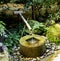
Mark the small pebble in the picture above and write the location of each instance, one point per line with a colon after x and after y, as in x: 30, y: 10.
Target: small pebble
x: 52, y: 51
x: 34, y: 59
x: 38, y: 58
x: 42, y: 57
x: 15, y: 57
x: 14, y: 53
x: 16, y: 49
x: 58, y: 48
x: 18, y: 53
x: 53, y: 48
x: 47, y: 50
x: 50, y: 48
x: 28, y: 58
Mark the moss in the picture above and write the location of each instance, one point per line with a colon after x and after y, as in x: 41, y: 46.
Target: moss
x: 53, y: 33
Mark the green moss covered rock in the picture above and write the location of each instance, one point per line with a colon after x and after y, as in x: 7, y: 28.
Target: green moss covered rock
x: 53, y: 33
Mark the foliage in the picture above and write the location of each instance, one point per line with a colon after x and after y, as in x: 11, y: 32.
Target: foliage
x: 49, y: 9
x: 12, y: 40
x: 4, y: 1
x: 2, y: 28
x: 53, y: 33
x: 37, y: 27
x: 54, y: 16
x: 16, y: 1
x: 14, y: 34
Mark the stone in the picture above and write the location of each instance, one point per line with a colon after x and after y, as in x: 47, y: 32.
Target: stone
x: 10, y: 5
x: 34, y: 59
x: 4, y: 56
x: 38, y: 59
x: 53, y: 46
x: 42, y: 57
x: 34, y: 45
x: 47, y: 50
x: 58, y: 47
x: 18, y: 53
x: 13, y: 8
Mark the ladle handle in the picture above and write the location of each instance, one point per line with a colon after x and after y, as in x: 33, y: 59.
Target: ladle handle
x: 25, y: 22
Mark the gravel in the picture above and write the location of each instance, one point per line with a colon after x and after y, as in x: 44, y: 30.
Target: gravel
x: 16, y: 56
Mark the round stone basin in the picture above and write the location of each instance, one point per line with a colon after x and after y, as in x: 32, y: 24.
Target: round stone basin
x: 32, y: 45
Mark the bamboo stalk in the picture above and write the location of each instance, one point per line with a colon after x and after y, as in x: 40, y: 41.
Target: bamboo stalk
x: 20, y: 13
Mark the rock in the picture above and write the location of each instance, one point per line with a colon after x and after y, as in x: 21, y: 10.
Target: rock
x: 5, y: 7
x: 34, y: 59
x: 58, y: 47
x: 1, y: 48
x: 34, y: 45
x: 47, y: 50
x: 48, y: 46
x: 14, y: 48
x: 20, y: 6
x: 4, y: 54
x: 53, y: 46
x: 1, y: 55
x: 47, y: 41
x: 28, y: 58
x: 15, y: 5
x: 42, y: 57
x: 10, y: 5
x: 13, y: 8
x: 18, y: 48
x: 52, y: 51
x: 14, y: 53
x: 18, y: 53
x: 38, y: 59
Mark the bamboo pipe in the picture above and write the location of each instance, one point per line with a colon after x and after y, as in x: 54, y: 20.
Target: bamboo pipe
x: 20, y: 13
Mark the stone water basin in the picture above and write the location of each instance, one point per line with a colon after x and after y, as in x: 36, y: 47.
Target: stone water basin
x: 32, y: 45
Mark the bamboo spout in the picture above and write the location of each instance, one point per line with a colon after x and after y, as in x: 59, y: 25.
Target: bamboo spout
x: 20, y: 13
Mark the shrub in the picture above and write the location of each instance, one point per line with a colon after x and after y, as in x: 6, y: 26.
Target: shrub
x: 53, y: 33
